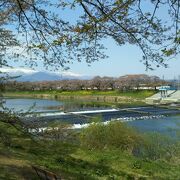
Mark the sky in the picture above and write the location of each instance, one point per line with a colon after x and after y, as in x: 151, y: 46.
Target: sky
x: 122, y: 60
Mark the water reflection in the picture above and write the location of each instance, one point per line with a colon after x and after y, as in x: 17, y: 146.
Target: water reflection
x: 35, y: 105
x: 46, y: 105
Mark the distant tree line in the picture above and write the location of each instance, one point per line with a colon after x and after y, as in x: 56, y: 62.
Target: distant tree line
x: 123, y: 83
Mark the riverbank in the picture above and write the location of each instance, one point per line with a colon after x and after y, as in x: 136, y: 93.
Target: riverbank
x: 71, y: 160
x: 100, y: 152
x: 117, y: 97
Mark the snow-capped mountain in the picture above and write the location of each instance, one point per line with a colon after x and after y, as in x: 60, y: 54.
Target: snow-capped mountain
x: 29, y: 75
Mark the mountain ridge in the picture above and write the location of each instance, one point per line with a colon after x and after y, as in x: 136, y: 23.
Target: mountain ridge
x: 46, y: 76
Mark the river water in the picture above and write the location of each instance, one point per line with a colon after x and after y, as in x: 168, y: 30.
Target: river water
x: 143, y: 118
x: 33, y: 105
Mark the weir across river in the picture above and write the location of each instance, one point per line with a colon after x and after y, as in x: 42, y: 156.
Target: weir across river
x: 82, y: 117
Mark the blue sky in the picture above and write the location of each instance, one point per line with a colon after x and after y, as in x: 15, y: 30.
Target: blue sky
x: 122, y: 60
x: 125, y: 60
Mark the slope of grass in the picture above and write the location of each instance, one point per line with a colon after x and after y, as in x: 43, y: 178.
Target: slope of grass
x: 73, y: 161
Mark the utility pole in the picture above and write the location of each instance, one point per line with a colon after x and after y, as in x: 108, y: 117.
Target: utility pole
x: 174, y: 83
x: 163, y: 80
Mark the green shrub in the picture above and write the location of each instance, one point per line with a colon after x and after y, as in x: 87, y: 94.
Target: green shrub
x: 113, y: 135
x: 117, y: 135
x: 157, y: 146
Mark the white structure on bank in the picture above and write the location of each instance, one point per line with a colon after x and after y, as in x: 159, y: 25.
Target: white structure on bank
x: 164, y: 96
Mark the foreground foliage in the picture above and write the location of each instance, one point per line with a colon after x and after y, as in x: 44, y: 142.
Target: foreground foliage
x: 58, y: 41
x: 111, y: 153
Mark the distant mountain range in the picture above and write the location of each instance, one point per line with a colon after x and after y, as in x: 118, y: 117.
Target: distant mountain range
x: 44, y: 76
x: 26, y: 75
x: 39, y: 76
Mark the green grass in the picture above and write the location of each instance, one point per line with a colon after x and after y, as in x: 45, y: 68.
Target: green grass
x: 73, y: 161
x: 134, y: 94
x: 139, y: 93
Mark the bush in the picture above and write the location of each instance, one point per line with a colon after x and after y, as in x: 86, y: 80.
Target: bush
x: 113, y: 135
x: 157, y: 146
x: 117, y: 135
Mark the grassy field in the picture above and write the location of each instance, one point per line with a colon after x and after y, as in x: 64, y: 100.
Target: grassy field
x: 75, y: 161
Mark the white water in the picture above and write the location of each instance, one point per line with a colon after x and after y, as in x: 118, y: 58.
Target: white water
x: 85, y: 125
x: 126, y: 119
x: 82, y: 112
x: 68, y: 113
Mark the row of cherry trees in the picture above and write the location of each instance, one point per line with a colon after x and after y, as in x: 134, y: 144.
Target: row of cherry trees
x: 128, y: 82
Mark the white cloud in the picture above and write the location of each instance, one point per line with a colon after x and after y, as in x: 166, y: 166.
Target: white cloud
x: 17, y: 70
x: 69, y: 73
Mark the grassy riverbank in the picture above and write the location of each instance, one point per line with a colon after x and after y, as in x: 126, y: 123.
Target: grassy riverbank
x: 134, y: 94
x: 114, y: 151
x: 77, y: 161
x: 117, y: 97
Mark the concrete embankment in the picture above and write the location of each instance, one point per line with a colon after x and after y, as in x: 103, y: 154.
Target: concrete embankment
x: 173, y: 96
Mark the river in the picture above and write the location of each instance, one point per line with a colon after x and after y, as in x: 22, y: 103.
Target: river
x: 143, y: 118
